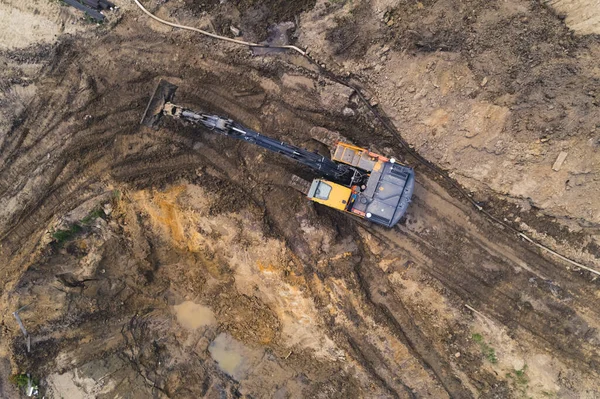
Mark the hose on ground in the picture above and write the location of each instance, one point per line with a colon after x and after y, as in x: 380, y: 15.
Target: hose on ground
x: 215, y: 36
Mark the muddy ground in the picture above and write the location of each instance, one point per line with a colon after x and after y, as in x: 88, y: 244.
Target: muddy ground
x: 171, y: 262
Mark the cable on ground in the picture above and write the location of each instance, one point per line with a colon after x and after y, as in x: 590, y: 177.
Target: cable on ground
x: 218, y: 37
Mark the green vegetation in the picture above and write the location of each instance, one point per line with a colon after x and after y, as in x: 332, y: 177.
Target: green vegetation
x: 22, y: 381
x: 65, y: 235
x: 548, y: 394
x: 62, y: 236
x: 93, y: 215
x: 520, y: 381
x: 488, y: 351
x: 490, y: 354
x: 521, y: 377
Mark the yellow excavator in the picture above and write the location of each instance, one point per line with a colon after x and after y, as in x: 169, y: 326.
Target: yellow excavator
x: 354, y: 180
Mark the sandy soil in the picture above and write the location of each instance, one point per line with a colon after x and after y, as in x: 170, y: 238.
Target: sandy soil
x: 583, y: 16
x: 176, y: 263
x: 23, y: 24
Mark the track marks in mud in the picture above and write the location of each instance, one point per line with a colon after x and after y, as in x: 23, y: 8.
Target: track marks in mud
x: 384, y: 352
x: 61, y: 154
x: 498, y: 292
x: 376, y: 287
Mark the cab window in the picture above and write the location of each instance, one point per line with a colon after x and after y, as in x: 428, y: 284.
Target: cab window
x: 323, y: 190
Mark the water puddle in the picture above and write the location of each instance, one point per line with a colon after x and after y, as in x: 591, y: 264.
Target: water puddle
x: 245, y: 364
x: 193, y: 316
x: 231, y: 356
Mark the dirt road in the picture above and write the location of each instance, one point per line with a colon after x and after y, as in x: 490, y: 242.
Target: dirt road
x: 177, y: 263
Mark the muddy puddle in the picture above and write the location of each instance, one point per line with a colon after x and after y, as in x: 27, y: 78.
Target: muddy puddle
x: 192, y: 316
x: 231, y: 356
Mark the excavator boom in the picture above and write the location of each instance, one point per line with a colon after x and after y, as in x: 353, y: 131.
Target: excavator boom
x: 340, y: 173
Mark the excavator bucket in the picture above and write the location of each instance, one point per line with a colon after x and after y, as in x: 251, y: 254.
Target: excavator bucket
x: 163, y: 94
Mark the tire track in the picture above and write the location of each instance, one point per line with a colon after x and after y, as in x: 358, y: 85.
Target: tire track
x: 501, y: 299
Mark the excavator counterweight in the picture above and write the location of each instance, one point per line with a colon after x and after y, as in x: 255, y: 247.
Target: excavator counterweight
x: 357, y: 181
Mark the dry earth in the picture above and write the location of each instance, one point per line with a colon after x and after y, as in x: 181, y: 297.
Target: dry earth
x: 583, y: 16
x: 175, y: 263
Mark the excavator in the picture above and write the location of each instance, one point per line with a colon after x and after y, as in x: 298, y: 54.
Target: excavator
x: 354, y: 180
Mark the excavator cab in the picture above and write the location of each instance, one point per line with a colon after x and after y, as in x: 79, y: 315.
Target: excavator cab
x: 383, y: 198
x: 330, y: 194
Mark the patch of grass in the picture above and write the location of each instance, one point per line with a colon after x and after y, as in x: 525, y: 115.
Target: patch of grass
x: 62, y: 236
x: 522, y: 378
x: 549, y: 394
x: 520, y: 381
x: 65, y: 235
x: 22, y: 381
x: 488, y: 352
x: 93, y: 215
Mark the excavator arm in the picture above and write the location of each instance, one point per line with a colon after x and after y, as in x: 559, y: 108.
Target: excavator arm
x: 339, y: 173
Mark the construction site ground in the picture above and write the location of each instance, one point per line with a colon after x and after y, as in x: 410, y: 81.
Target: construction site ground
x: 173, y: 262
